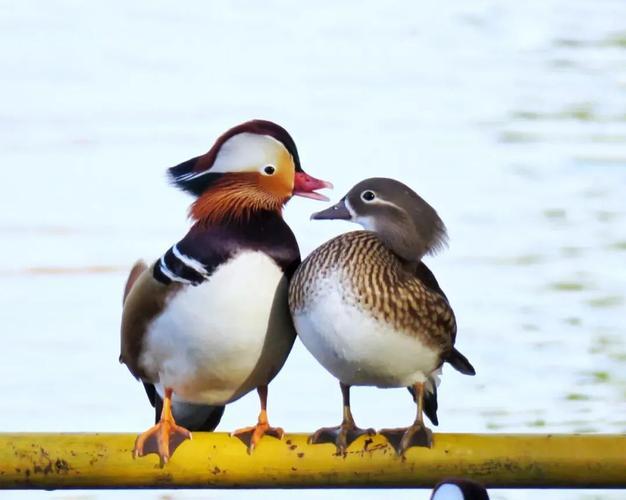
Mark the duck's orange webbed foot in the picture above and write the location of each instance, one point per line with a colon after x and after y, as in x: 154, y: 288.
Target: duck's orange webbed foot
x: 250, y: 436
x: 164, y: 437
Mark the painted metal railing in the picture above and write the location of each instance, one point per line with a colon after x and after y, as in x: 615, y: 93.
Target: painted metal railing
x: 215, y: 460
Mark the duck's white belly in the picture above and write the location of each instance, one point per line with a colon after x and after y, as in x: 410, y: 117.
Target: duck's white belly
x: 216, y: 341
x: 357, y: 348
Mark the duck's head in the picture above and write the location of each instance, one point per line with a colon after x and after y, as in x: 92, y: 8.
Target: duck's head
x: 253, y: 166
x: 459, y: 489
x: 405, y: 222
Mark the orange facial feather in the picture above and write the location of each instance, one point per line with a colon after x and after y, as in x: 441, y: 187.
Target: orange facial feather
x: 235, y: 197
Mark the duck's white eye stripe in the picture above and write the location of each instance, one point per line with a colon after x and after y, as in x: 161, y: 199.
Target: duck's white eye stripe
x: 379, y: 201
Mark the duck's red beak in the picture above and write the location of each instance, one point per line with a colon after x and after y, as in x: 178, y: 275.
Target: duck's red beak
x: 305, y: 185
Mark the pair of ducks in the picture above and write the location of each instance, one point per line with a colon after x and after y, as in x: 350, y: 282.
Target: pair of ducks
x: 216, y: 316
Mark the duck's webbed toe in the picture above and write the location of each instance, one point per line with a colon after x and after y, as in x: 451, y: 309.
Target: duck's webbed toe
x: 403, y: 438
x: 341, y: 436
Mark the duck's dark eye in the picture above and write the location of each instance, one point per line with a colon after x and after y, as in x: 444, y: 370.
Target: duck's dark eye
x: 269, y: 170
x: 368, y: 195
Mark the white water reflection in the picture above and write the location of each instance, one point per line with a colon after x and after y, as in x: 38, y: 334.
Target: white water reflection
x: 510, y: 118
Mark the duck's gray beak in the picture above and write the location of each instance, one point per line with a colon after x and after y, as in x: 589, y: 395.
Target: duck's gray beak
x: 337, y: 211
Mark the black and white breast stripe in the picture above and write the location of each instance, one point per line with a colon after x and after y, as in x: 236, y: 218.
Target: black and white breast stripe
x: 175, y: 266
x: 205, y: 247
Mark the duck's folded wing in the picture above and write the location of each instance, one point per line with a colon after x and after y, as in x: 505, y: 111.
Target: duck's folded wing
x: 454, y: 357
x: 144, y: 298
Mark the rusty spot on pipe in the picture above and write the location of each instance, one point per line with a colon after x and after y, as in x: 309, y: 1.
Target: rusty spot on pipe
x: 61, y: 466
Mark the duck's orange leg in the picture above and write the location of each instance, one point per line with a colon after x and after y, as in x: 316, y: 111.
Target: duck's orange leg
x: 164, y: 437
x: 252, y: 435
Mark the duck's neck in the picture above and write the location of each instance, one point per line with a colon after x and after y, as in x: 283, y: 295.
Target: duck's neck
x: 402, y: 240
x: 254, y: 225
x: 410, y: 240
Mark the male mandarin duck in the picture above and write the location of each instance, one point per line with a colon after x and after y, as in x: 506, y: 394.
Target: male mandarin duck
x: 371, y: 312
x: 209, y: 322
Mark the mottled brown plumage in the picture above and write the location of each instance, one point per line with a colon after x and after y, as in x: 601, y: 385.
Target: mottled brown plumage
x: 376, y: 280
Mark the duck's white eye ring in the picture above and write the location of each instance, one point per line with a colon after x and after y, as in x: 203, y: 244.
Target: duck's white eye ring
x: 368, y: 196
x: 269, y: 170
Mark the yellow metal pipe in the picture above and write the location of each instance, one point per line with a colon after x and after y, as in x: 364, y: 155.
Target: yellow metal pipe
x: 215, y: 460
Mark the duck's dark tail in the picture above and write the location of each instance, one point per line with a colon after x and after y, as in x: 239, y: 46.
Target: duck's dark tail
x: 431, y: 405
x: 430, y: 401
x: 460, y: 362
x: 193, y: 417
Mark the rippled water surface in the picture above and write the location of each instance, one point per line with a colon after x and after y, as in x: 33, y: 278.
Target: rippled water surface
x: 509, y: 117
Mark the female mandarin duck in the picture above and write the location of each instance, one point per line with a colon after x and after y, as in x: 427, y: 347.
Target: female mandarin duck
x: 208, y: 322
x: 371, y: 312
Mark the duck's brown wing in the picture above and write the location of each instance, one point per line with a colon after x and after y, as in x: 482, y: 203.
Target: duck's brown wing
x: 427, y: 277
x: 139, y: 267
x: 144, y: 298
x: 454, y: 357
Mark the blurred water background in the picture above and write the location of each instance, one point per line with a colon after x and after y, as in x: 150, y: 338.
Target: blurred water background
x: 508, y: 117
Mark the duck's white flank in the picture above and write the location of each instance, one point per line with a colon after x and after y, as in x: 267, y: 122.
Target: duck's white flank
x: 215, y: 342
x: 357, y: 348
